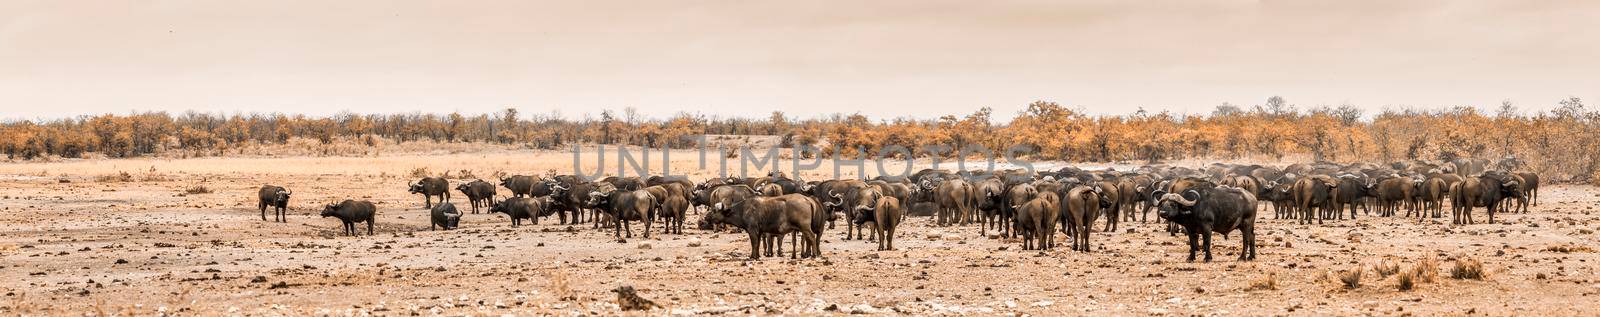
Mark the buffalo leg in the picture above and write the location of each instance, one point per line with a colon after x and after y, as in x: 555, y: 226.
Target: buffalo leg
x: 263, y: 211
x: 1194, y: 244
x: 1206, y: 235
x: 370, y: 224
x: 755, y: 245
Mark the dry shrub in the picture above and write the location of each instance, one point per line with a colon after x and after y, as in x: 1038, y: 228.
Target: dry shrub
x: 119, y: 177
x: 1351, y: 278
x: 419, y: 172
x: 1270, y: 282
x: 197, y: 189
x: 465, y: 174
x: 1426, y: 270
x: 1406, y: 281
x: 1386, y: 268
x: 1467, y: 269
x: 152, y: 176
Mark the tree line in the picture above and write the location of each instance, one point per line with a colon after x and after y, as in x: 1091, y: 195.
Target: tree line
x: 1559, y: 142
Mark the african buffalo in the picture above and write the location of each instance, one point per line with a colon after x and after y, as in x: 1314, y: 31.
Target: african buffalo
x: 350, y: 212
x: 277, y: 198
x: 429, y: 187
x: 1206, y: 210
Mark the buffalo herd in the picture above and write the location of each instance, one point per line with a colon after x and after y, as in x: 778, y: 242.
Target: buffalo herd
x: 1032, y: 206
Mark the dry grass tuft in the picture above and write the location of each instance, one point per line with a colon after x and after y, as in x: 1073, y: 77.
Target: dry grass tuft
x: 1351, y: 278
x: 465, y: 174
x: 1467, y: 269
x: 196, y: 190
x: 1386, y: 268
x: 119, y: 177
x: 1426, y: 270
x: 1406, y: 281
x: 1270, y: 282
x: 419, y: 172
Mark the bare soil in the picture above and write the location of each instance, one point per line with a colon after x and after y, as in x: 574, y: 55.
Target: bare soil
x: 102, y: 245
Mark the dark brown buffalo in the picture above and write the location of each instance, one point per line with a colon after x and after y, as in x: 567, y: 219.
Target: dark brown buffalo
x: 770, y: 190
x: 444, y: 215
x: 277, y: 198
x: 624, y: 207
x: 1080, y: 207
x: 518, y: 208
x: 1206, y: 210
x: 1392, y: 193
x: 767, y: 218
x: 1530, y: 190
x: 954, y: 197
x: 1036, y: 221
x: 1350, y: 192
x: 990, y: 196
x: 1485, y: 191
x: 1013, y: 200
x: 885, y: 216
x: 1433, y: 194
x: 519, y: 185
x: 479, y: 194
x: 1112, y: 194
x: 429, y: 187
x: 1313, y: 197
x: 674, y: 211
x: 350, y: 212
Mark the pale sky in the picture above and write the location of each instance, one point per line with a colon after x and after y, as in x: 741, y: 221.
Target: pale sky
x: 747, y: 58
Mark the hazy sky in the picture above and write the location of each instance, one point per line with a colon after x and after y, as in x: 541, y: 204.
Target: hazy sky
x: 882, y: 58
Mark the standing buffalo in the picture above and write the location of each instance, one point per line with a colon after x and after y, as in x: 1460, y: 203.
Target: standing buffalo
x: 624, y: 206
x: 429, y: 187
x: 1483, y: 191
x: 350, y: 212
x: 990, y: 195
x: 766, y: 218
x: 1035, y: 221
x: 1079, y: 209
x: 479, y: 193
x: 954, y: 197
x: 885, y: 215
x: 518, y: 208
x: 519, y: 185
x: 1313, y: 197
x: 674, y: 210
x: 444, y: 215
x: 277, y: 198
x: 1206, y: 210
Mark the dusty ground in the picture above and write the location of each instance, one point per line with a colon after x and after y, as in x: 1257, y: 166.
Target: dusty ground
x: 141, y: 247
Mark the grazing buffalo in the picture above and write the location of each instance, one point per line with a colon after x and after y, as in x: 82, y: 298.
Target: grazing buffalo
x: 479, y: 194
x: 444, y: 215
x: 350, y: 212
x: 277, y: 198
x: 429, y: 187
x: 1206, y: 210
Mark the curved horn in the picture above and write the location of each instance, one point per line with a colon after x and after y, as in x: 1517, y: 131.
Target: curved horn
x: 1179, y: 199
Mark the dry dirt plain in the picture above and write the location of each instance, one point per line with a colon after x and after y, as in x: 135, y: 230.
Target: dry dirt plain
x: 144, y: 248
